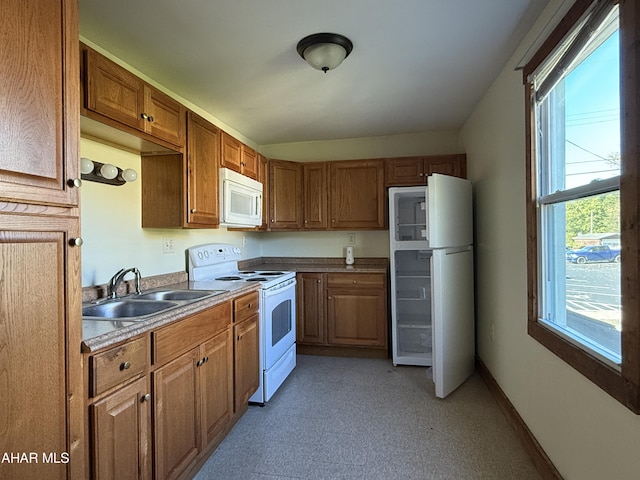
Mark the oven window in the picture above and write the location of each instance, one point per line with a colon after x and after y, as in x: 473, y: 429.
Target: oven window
x: 281, y: 322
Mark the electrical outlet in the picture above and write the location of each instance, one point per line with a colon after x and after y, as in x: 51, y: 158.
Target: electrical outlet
x: 168, y: 245
x: 351, y: 238
x: 244, y: 241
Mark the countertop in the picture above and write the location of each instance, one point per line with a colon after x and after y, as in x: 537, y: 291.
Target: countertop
x: 98, y: 334
x: 319, y: 265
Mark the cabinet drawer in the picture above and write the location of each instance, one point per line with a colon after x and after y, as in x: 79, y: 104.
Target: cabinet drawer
x: 361, y: 280
x: 177, y: 338
x: 117, y: 365
x: 246, y: 306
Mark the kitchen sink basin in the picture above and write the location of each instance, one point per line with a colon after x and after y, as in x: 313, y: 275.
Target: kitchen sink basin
x: 126, y: 309
x: 180, y: 295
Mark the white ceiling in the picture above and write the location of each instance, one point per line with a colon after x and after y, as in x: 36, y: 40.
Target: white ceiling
x: 416, y: 65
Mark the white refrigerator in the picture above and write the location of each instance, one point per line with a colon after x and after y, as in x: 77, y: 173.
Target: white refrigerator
x: 432, y: 304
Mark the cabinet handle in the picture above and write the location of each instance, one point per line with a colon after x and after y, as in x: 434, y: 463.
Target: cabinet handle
x: 74, y: 182
x: 239, y: 337
x: 125, y: 366
x: 146, y: 398
x: 333, y: 220
x: 206, y: 359
x: 198, y: 363
x: 354, y: 282
x: 319, y: 281
x: 249, y: 306
x: 150, y: 118
x: 193, y: 210
x: 76, y: 242
x: 144, y: 116
x: 273, y: 221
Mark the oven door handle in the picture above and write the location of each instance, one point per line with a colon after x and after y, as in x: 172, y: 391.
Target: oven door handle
x: 270, y: 292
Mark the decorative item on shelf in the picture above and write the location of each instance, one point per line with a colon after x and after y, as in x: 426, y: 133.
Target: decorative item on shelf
x: 324, y: 51
x: 105, y: 172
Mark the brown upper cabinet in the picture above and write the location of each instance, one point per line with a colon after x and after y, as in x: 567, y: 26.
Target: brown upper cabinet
x: 238, y: 157
x: 285, y: 195
x: 40, y: 103
x: 315, y: 208
x: 357, y: 196
x: 118, y: 95
x: 407, y: 171
x: 182, y: 190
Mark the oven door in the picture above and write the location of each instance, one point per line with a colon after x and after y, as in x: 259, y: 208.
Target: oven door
x: 278, y: 320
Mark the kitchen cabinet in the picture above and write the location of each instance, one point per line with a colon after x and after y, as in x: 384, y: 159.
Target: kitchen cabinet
x: 115, y: 94
x: 337, y: 310
x: 40, y: 102
x: 120, y: 411
x: 40, y: 286
x: 182, y: 191
x: 285, y: 195
x: 120, y: 433
x: 407, y: 171
x: 315, y: 212
x: 238, y: 157
x: 357, y: 309
x: 357, y: 196
x: 192, y: 386
x: 246, y: 348
x: 310, y: 324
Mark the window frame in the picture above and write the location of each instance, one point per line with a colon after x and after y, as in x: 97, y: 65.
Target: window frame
x: 622, y: 384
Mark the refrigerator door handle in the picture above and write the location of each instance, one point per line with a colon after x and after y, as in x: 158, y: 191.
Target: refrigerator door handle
x: 454, y: 251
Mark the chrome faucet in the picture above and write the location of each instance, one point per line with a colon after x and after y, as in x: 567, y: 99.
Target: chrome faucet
x: 116, y: 280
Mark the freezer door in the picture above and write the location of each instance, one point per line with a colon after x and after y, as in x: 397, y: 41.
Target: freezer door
x: 450, y: 214
x: 453, y: 318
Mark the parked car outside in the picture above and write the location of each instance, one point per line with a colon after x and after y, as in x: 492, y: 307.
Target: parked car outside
x: 594, y: 253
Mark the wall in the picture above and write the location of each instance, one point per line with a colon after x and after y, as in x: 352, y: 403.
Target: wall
x: 111, y: 222
x: 586, y: 433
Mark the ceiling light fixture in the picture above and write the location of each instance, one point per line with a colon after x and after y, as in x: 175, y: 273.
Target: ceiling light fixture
x: 324, y: 51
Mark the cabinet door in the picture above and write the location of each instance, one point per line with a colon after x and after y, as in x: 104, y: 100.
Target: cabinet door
x: 285, y: 195
x: 357, y: 195
x: 249, y: 162
x: 176, y: 415
x: 216, y: 379
x: 40, y: 334
x: 164, y: 117
x: 231, y: 153
x: 263, y: 177
x: 454, y: 165
x: 120, y: 426
x: 114, y: 92
x: 356, y: 317
x: 40, y: 101
x: 405, y: 171
x: 310, y: 320
x: 203, y: 150
x: 315, y: 195
x: 247, y: 362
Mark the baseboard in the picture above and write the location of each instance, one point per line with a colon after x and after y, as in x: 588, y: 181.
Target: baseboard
x: 541, y: 461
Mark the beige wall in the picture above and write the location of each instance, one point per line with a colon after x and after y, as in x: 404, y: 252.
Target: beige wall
x: 111, y: 222
x: 586, y: 433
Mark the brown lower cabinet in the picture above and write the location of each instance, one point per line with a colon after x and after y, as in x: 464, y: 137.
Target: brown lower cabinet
x: 161, y: 402
x: 338, y: 310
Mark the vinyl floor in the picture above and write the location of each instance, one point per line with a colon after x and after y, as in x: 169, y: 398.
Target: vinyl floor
x: 350, y: 418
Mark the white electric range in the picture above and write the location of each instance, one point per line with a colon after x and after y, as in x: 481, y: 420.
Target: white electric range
x: 215, y: 266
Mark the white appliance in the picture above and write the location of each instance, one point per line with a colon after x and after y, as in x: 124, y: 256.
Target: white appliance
x: 432, y: 301
x: 240, y: 200
x: 215, y: 266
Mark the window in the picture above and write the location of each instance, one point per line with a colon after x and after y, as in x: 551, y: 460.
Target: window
x: 582, y: 201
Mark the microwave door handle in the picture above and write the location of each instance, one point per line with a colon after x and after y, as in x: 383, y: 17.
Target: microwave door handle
x: 258, y: 205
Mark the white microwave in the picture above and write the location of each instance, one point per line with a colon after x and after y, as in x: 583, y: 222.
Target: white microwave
x: 240, y: 200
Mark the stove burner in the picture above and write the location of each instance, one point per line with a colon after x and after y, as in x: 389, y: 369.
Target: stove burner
x: 271, y: 274
x: 228, y: 279
x: 256, y: 279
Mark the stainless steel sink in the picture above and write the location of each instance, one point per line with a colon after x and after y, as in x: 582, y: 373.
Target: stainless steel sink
x: 180, y: 295
x: 139, y: 307
x: 126, y: 309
